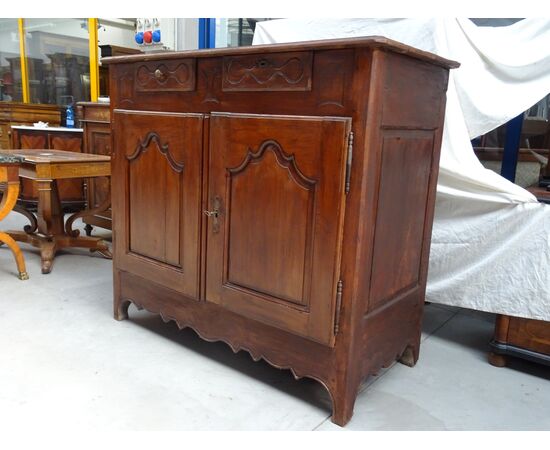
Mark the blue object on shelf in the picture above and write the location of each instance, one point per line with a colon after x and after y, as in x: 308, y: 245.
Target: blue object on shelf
x: 70, y: 117
x: 156, y: 36
x: 139, y: 37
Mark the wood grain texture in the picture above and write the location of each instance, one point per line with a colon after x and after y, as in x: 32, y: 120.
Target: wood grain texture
x: 159, y: 162
x: 290, y: 267
x: 281, y: 183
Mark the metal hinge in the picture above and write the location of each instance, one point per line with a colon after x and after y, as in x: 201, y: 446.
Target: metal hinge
x: 339, y: 288
x: 348, y: 161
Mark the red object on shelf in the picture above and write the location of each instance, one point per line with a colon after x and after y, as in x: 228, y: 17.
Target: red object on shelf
x: 148, y: 37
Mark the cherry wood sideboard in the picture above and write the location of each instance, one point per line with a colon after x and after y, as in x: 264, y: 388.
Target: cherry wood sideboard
x: 96, y: 123
x: 280, y: 199
x: 71, y: 191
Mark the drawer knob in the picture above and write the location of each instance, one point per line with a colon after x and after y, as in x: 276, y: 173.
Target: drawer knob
x: 160, y: 75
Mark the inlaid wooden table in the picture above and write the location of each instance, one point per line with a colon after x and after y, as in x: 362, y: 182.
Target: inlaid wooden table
x: 47, y: 230
x: 9, y: 176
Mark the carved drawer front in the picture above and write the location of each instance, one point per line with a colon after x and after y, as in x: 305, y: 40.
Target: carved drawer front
x: 156, y: 186
x: 97, y: 113
x: 276, y: 202
x: 270, y: 72
x: 166, y: 76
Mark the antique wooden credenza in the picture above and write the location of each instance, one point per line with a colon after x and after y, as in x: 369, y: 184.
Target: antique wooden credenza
x: 280, y: 199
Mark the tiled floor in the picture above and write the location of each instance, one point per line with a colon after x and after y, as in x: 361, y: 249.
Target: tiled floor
x: 65, y: 360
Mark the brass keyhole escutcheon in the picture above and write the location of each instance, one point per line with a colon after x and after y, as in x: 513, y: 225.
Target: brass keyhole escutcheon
x: 214, y: 214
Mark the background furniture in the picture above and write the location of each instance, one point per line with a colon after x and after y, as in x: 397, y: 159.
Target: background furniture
x: 9, y: 177
x: 280, y: 199
x: 47, y: 230
x: 111, y: 50
x: 12, y: 114
x: 95, y: 121
x: 71, y: 192
x: 519, y: 337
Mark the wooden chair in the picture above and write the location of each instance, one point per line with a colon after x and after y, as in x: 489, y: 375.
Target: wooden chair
x: 9, y: 175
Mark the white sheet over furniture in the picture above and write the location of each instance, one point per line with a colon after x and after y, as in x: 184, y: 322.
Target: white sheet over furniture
x: 491, y: 238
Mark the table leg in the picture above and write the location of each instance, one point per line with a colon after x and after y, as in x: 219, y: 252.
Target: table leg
x: 88, y: 212
x: 9, y: 199
x: 52, y: 235
x: 50, y: 215
x: 19, y: 260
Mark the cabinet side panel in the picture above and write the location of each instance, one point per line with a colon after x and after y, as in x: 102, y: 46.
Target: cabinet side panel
x: 402, y: 199
x: 407, y: 144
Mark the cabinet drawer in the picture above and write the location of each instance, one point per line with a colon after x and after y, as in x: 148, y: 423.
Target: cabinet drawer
x: 289, y: 71
x: 165, y: 76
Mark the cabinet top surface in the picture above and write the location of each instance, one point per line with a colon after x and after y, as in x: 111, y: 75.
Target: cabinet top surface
x: 58, y: 129
x: 329, y: 44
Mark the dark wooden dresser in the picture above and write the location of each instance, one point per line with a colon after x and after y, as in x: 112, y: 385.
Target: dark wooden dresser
x: 280, y: 199
x: 96, y: 123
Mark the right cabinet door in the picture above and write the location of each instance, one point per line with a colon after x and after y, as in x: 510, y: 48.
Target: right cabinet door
x: 276, y: 196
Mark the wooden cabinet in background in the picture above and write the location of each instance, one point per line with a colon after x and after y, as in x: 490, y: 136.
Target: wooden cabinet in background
x: 95, y: 121
x: 522, y: 338
x: 280, y: 199
x: 12, y: 114
x: 71, y: 191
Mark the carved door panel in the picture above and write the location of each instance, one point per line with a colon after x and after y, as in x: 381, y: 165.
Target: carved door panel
x: 276, y: 205
x: 156, y: 196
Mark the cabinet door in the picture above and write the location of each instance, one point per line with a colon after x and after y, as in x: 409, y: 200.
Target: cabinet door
x: 156, y: 182
x: 276, y: 205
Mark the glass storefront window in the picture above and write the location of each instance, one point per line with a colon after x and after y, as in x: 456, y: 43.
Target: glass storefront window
x: 58, y: 60
x: 235, y: 32
x: 10, y: 62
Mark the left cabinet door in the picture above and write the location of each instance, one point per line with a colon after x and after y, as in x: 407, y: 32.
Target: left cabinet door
x: 156, y: 197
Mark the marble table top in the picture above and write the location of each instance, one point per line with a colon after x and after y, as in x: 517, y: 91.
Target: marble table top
x: 6, y: 158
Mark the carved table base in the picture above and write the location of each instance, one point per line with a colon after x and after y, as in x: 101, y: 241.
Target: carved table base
x: 47, y: 231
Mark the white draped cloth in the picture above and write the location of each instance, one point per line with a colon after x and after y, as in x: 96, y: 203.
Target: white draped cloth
x: 491, y: 239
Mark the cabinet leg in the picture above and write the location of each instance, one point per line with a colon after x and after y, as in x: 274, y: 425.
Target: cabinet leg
x: 497, y: 360
x: 88, y: 229
x: 342, y: 407
x: 409, y: 356
x: 121, y: 309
